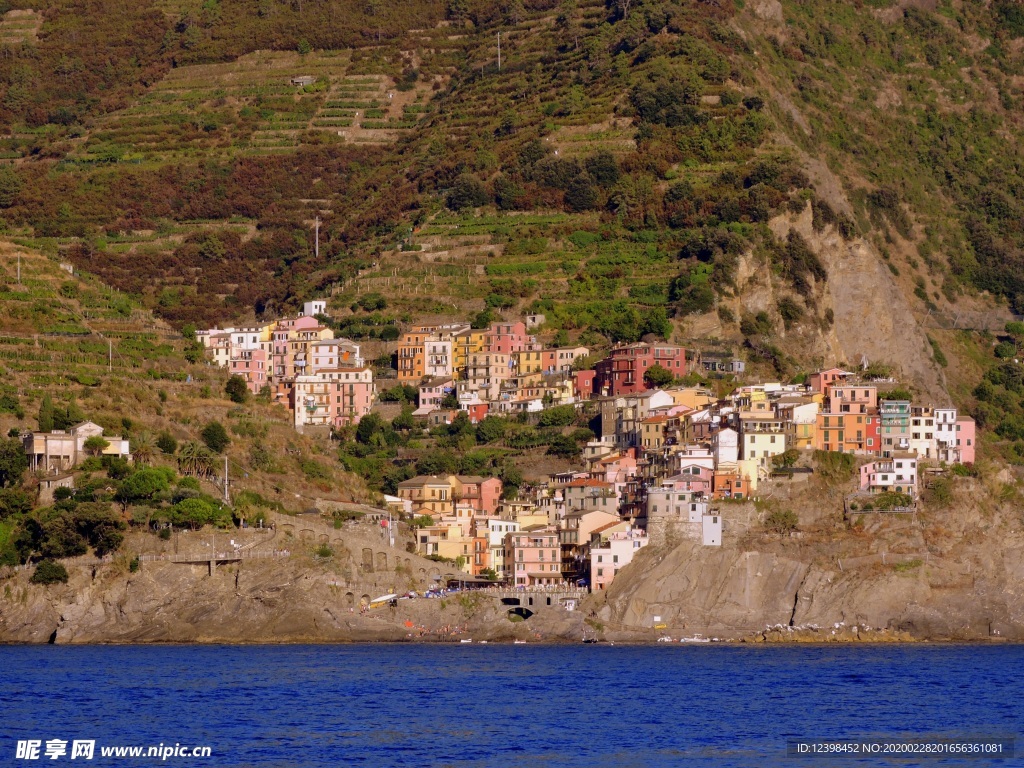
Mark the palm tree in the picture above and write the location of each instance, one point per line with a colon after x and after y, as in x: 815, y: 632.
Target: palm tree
x: 194, y: 459
x: 143, y: 448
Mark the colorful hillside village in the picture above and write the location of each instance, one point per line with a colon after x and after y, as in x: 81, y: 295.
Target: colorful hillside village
x: 664, y: 460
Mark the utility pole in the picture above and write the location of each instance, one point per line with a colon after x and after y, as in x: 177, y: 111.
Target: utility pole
x: 110, y: 355
x: 19, y: 269
x: 227, y: 499
x: 317, y: 246
x: 499, y: 51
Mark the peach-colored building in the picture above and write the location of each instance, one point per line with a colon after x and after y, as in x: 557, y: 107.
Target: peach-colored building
x: 850, y: 397
x: 561, y: 359
x: 482, y: 494
x: 251, y: 365
x: 534, y: 556
x: 334, y: 353
x: 820, y: 380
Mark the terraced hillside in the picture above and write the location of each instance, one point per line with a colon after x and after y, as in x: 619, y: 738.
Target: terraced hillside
x: 262, y: 103
x: 772, y: 175
x: 100, y: 356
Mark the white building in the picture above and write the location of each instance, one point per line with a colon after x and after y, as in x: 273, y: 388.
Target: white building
x: 725, y: 445
x: 897, y: 473
x: 315, y: 307
x: 609, y: 553
x: 711, y: 529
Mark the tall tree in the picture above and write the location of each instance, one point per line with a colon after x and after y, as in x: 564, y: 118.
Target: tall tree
x: 13, y: 461
x: 46, y: 414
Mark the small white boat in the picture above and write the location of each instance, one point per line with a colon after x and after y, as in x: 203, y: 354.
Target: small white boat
x: 694, y: 639
x: 518, y: 642
x: 465, y: 641
x: 483, y: 642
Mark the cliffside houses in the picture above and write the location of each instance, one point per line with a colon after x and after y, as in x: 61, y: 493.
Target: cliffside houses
x: 663, y: 461
x: 60, y: 450
x: 323, y: 381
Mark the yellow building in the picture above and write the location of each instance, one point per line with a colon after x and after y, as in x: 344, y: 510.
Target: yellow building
x: 528, y: 361
x: 429, y: 495
x: 466, y: 344
x: 694, y: 398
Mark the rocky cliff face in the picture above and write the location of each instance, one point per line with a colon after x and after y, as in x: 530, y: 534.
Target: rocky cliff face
x: 954, y: 573
x: 300, y: 596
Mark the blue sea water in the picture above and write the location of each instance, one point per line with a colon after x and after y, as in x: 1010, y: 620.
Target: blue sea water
x: 505, y: 705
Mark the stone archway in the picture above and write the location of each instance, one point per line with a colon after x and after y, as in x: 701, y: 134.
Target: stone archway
x: 350, y: 599
x: 382, y: 561
x: 364, y: 601
x: 367, y: 563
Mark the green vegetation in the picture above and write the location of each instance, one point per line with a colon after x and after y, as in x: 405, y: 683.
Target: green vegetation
x: 49, y: 572
x: 781, y: 521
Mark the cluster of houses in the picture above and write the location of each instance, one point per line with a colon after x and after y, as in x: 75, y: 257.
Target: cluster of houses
x: 662, y: 465
x: 661, y: 461
x: 325, y: 381
x: 568, y: 530
x: 322, y: 380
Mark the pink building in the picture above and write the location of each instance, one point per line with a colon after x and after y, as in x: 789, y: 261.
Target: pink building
x: 432, y: 391
x: 898, y: 473
x: 611, y: 551
x: 534, y: 556
x: 615, y: 469
x: 482, y: 494
x: 693, y: 478
x: 506, y: 338
x: 341, y: 396
x: 251, y: 365
x: 965, y: 439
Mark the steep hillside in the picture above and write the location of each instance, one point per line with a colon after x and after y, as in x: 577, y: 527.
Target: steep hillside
x: 97, y: 355
x: 811, y: 184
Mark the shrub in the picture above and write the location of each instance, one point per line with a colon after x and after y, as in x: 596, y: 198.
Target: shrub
x: 49, y: 572
x: 781, y: 521
x: 215, y: 437
x: 323, y: 552
x: 467, y: 192
x: 237, y: 389
x: 559, y: 416
x: 166, y: 443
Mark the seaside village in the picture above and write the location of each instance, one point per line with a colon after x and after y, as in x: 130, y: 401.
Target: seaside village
x: 663, y: 462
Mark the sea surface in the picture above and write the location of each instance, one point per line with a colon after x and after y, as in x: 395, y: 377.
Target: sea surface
x: 505, y: 705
